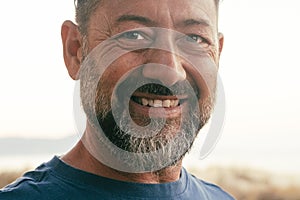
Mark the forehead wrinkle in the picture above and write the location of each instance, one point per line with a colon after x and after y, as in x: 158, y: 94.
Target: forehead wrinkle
x: 169, y: 15
x: 211, y: 18
x: 198, y: 14
x: 161, y: 13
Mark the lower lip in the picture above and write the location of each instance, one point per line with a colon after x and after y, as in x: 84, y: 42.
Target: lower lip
x: 171, y: 112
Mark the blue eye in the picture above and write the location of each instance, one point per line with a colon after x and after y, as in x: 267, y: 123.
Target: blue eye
x: 195, y: 39
x: 133, y: 35
x: 134, y: 39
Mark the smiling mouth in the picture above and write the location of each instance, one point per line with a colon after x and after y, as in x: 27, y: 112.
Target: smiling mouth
x: 157, y: 101
x: 161, y: 106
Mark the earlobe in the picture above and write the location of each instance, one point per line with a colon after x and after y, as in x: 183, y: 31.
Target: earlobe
x: 72, y: 48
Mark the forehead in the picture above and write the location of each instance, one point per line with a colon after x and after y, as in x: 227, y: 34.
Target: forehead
x: 162, y: 12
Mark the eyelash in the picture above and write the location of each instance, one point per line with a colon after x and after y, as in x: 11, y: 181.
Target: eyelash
x: 126, y: 35
x: 203, y: 40
x: 138, y: 34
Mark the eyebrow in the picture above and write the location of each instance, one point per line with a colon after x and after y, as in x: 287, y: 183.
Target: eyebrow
x: 190, y: 22
x: 147, y: 21
x: 136, y: 18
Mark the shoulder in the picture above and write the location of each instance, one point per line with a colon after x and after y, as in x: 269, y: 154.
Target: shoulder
x: 54, y: 180
x: 25, y: 187
x: 215, y: 192
x: 35, y: 184
x: 210, y: 191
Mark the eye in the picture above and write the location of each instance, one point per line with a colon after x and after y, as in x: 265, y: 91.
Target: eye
x: 135, y: 39
x: 195, y: 39
x: 132, y: 35
x: 193, y: 44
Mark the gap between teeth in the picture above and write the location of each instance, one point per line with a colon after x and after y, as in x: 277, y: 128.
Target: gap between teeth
x: 159, y: 103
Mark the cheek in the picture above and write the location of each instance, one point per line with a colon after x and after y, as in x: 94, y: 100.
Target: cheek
x: 202, y: 82
x: 121, y: 67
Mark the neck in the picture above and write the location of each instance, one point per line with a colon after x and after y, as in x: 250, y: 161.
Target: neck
x: 80, y: 158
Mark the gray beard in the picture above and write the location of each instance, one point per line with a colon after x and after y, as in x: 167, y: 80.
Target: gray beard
x: 173, y: 137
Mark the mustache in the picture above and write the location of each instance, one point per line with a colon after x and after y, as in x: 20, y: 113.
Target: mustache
x: 156, y: 87
x: 153, y: 88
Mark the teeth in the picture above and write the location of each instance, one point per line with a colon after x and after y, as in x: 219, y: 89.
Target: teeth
x: 158, y: 103
x: 176, y: 102
x: 144, y: 102
x: 166, y: 103
x: 151, y: 103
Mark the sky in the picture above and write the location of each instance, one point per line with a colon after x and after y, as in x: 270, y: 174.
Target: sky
x: 36, y: 91
x: 259, y: 68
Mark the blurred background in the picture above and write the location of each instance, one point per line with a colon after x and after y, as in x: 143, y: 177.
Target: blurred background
x: 258, y: 154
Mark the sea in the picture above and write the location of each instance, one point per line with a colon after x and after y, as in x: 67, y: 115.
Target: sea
x: 276, y: 155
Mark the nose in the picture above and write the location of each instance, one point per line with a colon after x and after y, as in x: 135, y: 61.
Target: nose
x: 164, y: 66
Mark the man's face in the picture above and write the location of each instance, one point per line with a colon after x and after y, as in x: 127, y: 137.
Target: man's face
x: 162, y: 83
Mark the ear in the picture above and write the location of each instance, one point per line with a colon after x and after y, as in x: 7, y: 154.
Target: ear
x: 72, y: 48
x: 221, y: 42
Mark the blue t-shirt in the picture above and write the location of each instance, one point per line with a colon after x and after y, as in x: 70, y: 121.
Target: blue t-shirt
x: 55, y: 180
